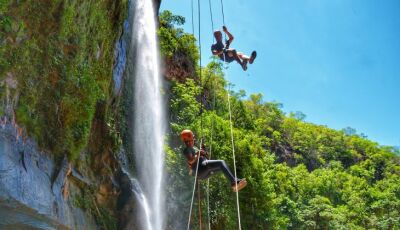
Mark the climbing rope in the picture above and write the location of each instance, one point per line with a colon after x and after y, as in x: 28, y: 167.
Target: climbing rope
x: 234, y: 157
x: 223, y: 14
x: 208, y: 201
x: 192, y: 17
x: 210, y: 155
x: 212, y: 20
x: 212, y: 124
x: 194, y: 186
x: 201, y: 98
x: 201, y: 115
x: 199, y: 204
x: 231, y: 128
x: 201, y: 124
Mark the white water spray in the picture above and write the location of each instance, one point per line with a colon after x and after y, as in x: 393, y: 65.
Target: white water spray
x: 148, y: 125
x: 146, y: 221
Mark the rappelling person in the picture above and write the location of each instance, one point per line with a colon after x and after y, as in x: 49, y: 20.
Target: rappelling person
x: 228, y: 55
x: 207, y: 167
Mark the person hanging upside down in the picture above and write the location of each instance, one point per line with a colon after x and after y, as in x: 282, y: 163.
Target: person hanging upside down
x: 207, y: 167
x: 228, y: 55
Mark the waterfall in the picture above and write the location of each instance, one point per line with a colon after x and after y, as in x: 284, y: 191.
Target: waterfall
x: 148, y: 125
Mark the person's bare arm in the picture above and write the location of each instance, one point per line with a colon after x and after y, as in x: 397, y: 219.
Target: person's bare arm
x: 203, y: 151
x: 205, y: 154
x: 230, y: 36
x: 192, y: 158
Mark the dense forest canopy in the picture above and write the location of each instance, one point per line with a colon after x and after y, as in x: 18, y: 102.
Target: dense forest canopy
x: 301, y: 175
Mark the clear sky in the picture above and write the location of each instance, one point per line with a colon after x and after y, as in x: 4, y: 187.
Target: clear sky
x: 337, y: 61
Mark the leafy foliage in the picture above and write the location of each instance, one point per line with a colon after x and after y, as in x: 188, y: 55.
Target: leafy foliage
x: 61, y: 53
x: 175, y: 40
x: 300, y: 175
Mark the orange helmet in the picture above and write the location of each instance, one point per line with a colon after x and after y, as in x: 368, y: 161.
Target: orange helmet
x: 187, y: 135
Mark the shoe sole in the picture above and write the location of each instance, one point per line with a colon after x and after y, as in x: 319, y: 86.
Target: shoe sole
x: 239, y: 186
x: 253, y: 57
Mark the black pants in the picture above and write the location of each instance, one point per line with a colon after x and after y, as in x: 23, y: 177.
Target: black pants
x: 208, y: 167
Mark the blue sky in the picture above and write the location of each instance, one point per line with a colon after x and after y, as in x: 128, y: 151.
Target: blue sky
x: 336, y: 61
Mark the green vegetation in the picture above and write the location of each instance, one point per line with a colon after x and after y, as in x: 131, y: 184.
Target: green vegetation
x: 61, y: 54
x: 300, y: 175
x: 86, y: 201
x: 174, y: 40
x: 178, y: 48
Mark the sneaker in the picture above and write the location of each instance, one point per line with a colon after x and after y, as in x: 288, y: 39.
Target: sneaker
x: 240, y: 184
x: 252, y: 57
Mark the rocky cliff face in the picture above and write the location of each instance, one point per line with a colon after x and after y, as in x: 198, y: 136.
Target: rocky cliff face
x: 29, y: 198
x: 49, y: 185
x: 44, y: 47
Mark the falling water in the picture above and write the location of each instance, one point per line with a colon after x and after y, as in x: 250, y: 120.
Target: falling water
x: 136, y: 189
x: 148, y: 122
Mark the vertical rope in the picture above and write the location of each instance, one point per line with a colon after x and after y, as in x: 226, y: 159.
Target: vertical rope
x: 223, y: 21
x: 194, y: 186
x: 201, y: 122
x: 212, y: 124
x: 202, y: 94
x: 212, y: 20
x: 192, y: 17
x: 223, y: 14
x: 197, y: 165
x: 231, y: 127
x: 208, y: 201
x: 211, y: 142
x: 234, y: 157
x: 201, y: 109
x: 199, y: 204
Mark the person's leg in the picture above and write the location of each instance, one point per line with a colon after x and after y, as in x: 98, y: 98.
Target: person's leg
x: 242, y: 56
x: 203, y: 172
x: 209, y: 167
x: 232, y: 53
x: 252, y: 57
x: 247, y: 58
x: 212, y: 166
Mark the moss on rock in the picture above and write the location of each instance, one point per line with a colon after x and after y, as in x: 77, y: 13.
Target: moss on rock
x: 62, y: 55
